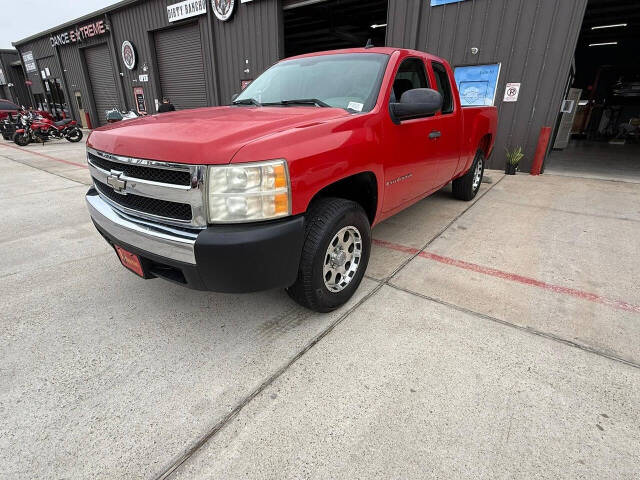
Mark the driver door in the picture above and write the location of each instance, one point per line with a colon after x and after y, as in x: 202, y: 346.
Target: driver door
x: 414, y: 155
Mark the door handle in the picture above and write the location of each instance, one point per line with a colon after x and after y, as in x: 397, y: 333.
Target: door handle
x: 435, y: 134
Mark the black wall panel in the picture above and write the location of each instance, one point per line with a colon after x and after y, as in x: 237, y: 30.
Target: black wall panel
x: 534, y: 40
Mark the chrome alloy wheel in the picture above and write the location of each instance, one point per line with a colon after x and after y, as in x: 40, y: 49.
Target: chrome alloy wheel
x: 477, y: 175
x: 342, y: 259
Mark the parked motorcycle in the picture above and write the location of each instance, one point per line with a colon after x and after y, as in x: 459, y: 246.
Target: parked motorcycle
x: 42, y: 129
x: 8, y: 126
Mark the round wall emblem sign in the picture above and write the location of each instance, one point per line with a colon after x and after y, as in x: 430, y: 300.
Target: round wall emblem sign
x: 128, y: 55
x: 223, y: 9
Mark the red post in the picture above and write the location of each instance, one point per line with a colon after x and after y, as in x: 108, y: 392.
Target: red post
x: 543, y: 142
x: 88, y: 119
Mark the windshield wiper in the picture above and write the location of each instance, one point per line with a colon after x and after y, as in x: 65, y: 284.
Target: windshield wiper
x: 301, y: 101
x: 248, y: 101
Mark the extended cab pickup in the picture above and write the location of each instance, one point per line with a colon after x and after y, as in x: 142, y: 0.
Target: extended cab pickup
x: 281, y: 188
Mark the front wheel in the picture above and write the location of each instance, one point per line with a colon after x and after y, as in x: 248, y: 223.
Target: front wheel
x: 74, y: 136
x: 21, y: 139
x: 334, y: 256
x: 466, y: 187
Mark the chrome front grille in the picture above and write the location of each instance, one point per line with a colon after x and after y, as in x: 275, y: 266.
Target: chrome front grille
x: 169, y: 193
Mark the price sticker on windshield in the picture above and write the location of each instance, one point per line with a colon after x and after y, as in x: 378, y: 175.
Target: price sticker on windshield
x: 355, y: 106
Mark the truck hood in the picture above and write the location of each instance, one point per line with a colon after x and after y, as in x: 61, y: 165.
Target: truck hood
x: 203, y: 136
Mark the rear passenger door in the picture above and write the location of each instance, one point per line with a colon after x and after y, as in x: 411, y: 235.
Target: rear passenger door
x: 448, y: 122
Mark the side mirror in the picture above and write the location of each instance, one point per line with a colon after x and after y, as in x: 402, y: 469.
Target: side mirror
x: 416, y: 103
x: 234, y: 96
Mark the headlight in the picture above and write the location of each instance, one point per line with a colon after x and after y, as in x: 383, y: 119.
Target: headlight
x: 249, y: 192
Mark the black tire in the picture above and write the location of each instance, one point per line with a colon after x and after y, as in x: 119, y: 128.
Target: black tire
x: 21, y: 140
x: 75, y: 136
x: 325, y: 219
x: 463, y: 187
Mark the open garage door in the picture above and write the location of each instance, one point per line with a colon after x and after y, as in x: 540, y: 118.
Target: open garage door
x: 316, y: 25
x: 101, y: 77
x: 181, y: 67
x: 598, y: 130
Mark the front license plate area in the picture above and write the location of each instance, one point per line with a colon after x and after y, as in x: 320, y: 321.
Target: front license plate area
x: 130, y: 261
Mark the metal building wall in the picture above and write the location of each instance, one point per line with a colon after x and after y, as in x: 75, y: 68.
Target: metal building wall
x: 253, y: 34
x: 18, y: 93
x: 534, y: 40
x: 137, y: 23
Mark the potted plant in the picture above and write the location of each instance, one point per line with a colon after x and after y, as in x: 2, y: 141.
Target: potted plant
x: 513, y: 160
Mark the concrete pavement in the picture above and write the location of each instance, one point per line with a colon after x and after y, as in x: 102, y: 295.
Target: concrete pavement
x: 507, y: 348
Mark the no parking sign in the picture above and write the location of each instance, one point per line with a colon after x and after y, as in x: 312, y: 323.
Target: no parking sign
x: 511, y: 92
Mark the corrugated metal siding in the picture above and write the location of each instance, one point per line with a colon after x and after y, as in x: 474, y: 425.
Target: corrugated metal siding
x: 181, y: 70
x: 102, y: 80
x: 253, y: 34
x: 534, y: 40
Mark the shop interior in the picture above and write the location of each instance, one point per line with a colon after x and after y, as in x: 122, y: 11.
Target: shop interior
x: 598, y: 129
x: 316, y: 25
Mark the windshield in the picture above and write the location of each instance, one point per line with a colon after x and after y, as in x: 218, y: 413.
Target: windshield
x: 350, y: 81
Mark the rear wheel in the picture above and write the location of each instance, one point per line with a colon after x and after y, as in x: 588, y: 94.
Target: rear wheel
x: 75, y: 135
x: 467, y: 186
x: 334, y: 256
x: 21, y: 139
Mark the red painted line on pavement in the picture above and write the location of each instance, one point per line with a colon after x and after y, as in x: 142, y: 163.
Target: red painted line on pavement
x: 512, y: 277
x: 44, y: 155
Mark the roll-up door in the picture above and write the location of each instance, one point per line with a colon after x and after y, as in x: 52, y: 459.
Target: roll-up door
x: 181, y: 67
x: 102, y: 78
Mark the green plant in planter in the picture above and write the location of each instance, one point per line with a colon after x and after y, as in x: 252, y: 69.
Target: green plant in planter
x: 513, y: 160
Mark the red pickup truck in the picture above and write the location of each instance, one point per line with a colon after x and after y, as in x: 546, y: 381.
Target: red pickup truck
x: 281, y: 188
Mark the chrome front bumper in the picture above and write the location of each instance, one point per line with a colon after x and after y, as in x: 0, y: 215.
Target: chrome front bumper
x: 161, y: 240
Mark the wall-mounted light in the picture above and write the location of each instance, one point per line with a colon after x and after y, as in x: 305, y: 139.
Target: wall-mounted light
x: 582, y: 103
x: 599, y: 27
x: 602, y: 44
x: 378, y: 25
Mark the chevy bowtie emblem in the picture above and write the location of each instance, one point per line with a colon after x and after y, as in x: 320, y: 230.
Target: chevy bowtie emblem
x: 114, y: 181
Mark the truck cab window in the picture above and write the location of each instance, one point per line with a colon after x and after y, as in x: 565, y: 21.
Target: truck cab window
x: 443, y: 86
x: 411, y: 74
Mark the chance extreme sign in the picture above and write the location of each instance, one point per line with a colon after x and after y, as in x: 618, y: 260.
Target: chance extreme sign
x: 186, y: 9
x: 78, y: 34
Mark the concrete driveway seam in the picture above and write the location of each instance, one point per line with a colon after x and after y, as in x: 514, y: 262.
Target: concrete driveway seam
x: 569, y: 212
x: 48, y: 157
x: 530, y: 330
x: 173, y: 467
x: 437, y: 235
x: 167, y: 473
x: 591, y: 178
x: 41, y: 169
x: 51, y: 191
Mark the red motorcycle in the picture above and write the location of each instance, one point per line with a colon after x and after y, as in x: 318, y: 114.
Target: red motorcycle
x: 40, y: 129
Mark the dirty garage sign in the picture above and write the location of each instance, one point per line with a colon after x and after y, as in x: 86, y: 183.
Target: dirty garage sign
x: 186, y: 9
